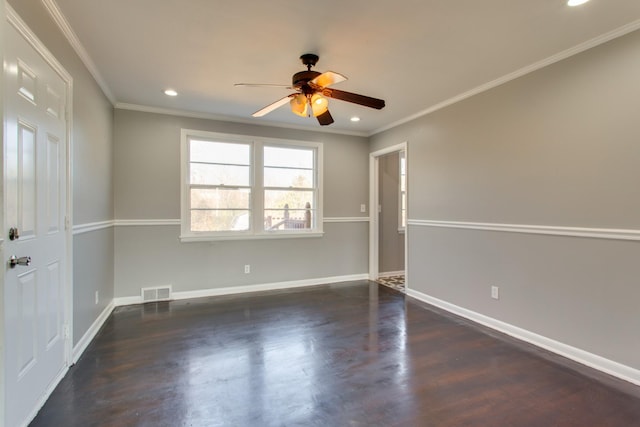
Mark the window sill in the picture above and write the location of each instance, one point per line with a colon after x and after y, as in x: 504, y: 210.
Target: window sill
x: 189, y: 238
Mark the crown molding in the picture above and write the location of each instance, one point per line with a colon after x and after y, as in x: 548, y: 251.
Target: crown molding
x: 230, y: 119
x: 64, y: 26
x: 619, y: 32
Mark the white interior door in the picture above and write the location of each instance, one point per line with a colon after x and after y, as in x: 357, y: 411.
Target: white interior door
x: 35, y: 204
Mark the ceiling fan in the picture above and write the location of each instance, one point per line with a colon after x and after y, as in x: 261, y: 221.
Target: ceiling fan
x: 312, y: 90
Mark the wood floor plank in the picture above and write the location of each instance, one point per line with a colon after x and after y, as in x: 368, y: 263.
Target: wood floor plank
x: 353, y: 354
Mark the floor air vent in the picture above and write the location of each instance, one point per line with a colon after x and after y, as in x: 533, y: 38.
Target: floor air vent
x: 156, y: 294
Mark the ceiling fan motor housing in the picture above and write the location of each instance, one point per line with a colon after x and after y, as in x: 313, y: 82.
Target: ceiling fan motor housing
x: 300, y: 80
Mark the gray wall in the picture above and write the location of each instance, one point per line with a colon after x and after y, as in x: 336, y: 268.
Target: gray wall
x: 558, y: 147
x: 92, y: 170
x: 147, y: 166
x: 390, y: 241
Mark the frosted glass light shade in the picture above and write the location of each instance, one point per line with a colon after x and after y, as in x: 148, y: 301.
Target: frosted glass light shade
x: 319, y: 104
x: 299, y: 105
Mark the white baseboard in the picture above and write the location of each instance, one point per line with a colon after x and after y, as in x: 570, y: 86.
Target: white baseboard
x: 591, y: 360
x: 120, y: 301
x: 88, y: 336
x: 390, y: 274
x: 247, y: 288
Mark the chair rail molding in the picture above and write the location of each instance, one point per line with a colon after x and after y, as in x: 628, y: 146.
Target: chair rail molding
x: 92, y: 226
x: 596, y: 233
x: 100, y: 225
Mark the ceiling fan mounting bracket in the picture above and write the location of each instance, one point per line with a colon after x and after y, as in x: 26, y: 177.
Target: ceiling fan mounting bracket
x: 309, y: 59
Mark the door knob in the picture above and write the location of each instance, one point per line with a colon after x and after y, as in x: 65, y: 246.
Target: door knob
x: 23, y: 260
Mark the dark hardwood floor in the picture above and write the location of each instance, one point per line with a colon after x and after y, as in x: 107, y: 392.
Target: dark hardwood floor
x: 352, y: 354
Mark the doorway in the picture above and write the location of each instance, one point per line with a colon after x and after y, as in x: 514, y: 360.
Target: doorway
x: 37, y: 250
x: 387, y: 232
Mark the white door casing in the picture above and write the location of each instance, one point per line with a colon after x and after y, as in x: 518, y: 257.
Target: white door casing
x: 374, y: 214
x: 36, y: 296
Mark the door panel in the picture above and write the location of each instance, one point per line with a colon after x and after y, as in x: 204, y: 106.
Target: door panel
x: 26, y: 180
x: 26, y: 322
x: 53, y: 304
x: 53, y: 184
x: 26, y: 82
x: 35, y: 203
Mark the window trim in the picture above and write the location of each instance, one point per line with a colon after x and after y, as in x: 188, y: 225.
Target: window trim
x: 256, y: 205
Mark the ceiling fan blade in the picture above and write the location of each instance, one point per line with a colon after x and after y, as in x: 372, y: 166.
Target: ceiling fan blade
x: 325, y: 118
x: 269, y: 108
x: 328, y: 78
x: 367, y: 101
x: 263, y: 85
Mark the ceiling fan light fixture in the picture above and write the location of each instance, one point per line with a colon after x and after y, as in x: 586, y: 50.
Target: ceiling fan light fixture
x: 311, y: 96
x: 299, y: 105
x: 319, y: 104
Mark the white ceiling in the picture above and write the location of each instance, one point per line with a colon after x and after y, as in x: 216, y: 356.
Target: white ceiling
x: 415, y: 54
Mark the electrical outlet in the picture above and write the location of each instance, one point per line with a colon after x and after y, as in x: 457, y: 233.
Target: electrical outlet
x: 247, y: 269
x: 97, y: 297
x: 363, y: 208
x: 495, y: 292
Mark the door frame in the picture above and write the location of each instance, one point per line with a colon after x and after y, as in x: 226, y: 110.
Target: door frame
x: 374, y: 214
x: 13, y: 19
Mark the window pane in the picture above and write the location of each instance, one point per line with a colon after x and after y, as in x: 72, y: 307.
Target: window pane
x: 207, y: 174
x: 278, y: 199
x: 291, y: 219
x: 278, y: 177
x: 220, y: 198
x: 220, y: 220
x: 219, y: 152
x: 289, y: 157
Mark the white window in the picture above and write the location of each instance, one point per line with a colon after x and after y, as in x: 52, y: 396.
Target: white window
x: 402, y: 215
x: 236, y: 187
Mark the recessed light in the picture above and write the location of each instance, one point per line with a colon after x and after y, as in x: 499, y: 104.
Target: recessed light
x: 576, y: 2
x: 170, y: 92
x: 355, y: 119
